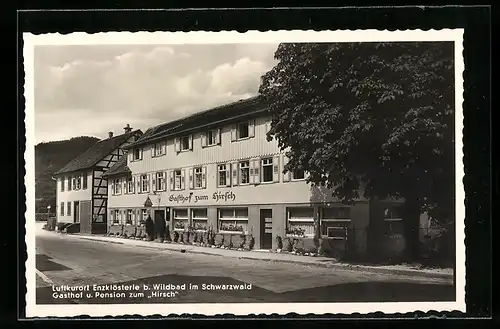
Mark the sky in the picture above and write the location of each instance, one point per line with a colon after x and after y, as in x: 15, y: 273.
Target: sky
x: 91, y: 90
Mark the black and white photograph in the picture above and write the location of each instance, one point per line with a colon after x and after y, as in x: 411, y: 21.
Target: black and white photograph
x: 244, y: 173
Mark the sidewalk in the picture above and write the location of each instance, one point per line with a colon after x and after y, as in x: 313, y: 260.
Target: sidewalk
x: 275, y: 257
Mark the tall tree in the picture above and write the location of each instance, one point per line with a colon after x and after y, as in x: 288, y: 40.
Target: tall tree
x: 377, y: 115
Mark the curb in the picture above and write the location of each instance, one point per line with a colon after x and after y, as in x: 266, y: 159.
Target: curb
x: 414, y: 273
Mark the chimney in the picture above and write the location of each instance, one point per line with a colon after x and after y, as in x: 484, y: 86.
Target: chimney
x: 127, y: 129
x: 110, y: 134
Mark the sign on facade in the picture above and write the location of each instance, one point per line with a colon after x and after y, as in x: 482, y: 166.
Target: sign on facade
x: 148, y: 203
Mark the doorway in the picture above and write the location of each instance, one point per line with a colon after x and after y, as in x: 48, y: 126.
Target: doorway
x: 76, y: 212
x: 266, y: 229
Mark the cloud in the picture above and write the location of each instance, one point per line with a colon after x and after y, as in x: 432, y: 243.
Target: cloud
x: 92, y: 89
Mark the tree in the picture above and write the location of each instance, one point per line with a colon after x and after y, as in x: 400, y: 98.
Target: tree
x: 376, y: 117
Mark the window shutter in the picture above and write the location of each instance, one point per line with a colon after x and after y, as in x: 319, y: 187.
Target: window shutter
x: 276, y: 169
x: 234, y: 177
x: 268, y: 126
x: 138, y: 181
x: 183, y: 179
x: 256, y: 171
x: 190, y: 140
x: 191, y: 179
x: 228, y: 174
x: 251, y: 128
x: 233, y: 133
x: 252, y: 171
x: 204, y: 177
x: 287, y: 175
x: 203, y: 139
x: 133, y: 184
x: 112, y: 188
x: 217, y: 136
x: 148, y: 182
x: 154, y: 178
x: 177, y: 143
x: 124, y: 186
x: 172, y: 180
x: 153, y: 150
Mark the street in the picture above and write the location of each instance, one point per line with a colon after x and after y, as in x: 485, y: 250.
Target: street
x: 173, y: 277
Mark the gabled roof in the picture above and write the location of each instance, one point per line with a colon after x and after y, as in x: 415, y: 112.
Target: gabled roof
x: 212, y: 116
x: 96, y: 153
x: 119, y: 168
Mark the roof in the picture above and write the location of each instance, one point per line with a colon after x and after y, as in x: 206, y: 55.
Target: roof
x: 96, y: 153
x: 120, y: 167
x: 205, y: 118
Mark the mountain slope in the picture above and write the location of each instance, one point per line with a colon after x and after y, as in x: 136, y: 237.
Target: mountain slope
x: 50, y: 157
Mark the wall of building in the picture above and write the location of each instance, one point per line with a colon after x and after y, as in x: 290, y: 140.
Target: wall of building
x: 71, y: 196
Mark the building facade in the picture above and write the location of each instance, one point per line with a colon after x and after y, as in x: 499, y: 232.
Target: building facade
x: 82, y: 191
x: 216, y: 170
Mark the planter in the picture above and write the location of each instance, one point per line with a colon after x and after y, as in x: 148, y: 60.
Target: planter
x: 200, y: 237
x: 249, y: 242
x: 185, y: 237
x: 287, y: 244
x: 227, y: 243
x: 192, y: 237
x: 238, y: 241
x: 219, y: 240
x: 298, y: 245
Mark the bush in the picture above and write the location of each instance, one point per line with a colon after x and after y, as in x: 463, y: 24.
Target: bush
x: 287, y: 244
x: 249, y: 242
x: 227, y: 242
x: 219, y: 240
x: 279, y: 242
x: 175, y: 236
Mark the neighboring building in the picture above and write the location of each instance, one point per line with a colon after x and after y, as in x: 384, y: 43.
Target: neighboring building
x: 217, y: 170
x: 82, y: 190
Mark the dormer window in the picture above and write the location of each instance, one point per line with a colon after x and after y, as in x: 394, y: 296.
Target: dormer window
x: 184, y: 143
x: 159, y: 149
x: 242, y: 129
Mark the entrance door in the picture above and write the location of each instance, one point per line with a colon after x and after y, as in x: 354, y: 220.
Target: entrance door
x: 76, y: 212
x: 266, y: 228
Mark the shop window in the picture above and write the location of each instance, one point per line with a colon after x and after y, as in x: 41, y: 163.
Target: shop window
x: 200, y: 218
x: 181, y: 219
x: 233, y: 220
x: 300, y: 221
x: 335, y: 222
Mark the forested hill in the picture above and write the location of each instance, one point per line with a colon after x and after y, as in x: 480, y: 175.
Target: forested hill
x: 50, y: 157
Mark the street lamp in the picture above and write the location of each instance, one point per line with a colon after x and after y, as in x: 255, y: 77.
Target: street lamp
x: 48, y: 212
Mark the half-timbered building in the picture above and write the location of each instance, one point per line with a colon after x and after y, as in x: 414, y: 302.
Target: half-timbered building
x: 82, y: 190
x: 216, y: 170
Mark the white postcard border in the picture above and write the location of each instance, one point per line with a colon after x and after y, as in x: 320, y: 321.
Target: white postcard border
x: 203, y: 37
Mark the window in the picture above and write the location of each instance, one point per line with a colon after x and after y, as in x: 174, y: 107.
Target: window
x: 185, y: 143
x: 181, y: 219
x: 68, y: 208
x: 78, y: 182
x: 159, y: 149
x: 84, y: 181
x: 300, y: 221
x: 233, y: 220
x: 177, y: 180
x: 137, y: 154
x: 298, y: 174
x: 116, y: 217
x: 62, y: 209
x: 130, y: 185
x: 244, y: 172
x: 117, y: 187
x: 62, y: 184
x: 198, y: 177
x: 335, y: 222
x: 128, y: 221
x: 222, y: 175
x: 267, y: 170
x: 212, y: 137
x: 144, y: 183
x: 144, y: 216
x: 242, y: 130
x: 200, y: 218
x: 73, y: 182
x: 392, y: 213
x: 69, y: 183
x: 160, y: 181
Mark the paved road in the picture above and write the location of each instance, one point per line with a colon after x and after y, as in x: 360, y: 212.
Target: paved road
x: 65, y: 260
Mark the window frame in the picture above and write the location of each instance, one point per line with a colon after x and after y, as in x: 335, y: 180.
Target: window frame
x: 144, y: 179
x: 68, y: 208
x: 160, y: 177
x: 130, y: 185
x: 292, y: 174
x: 308, y: 220
x: 232, y: 219
x: 181, y: 143
x: 61, y: 210
x: 63, y: 182
x: 240, y: 172
x: 219, y: 166
x: 346, y: 220
x: 390, y: 208
x: 200, y: 174
x: 194, y: 219
x: 238, y: 130
x: 162, y: 149
x: 211, y: 133
x: 177, y: 218
x: 140, y: 150
x: 175, y: 172
x: 262, y: 166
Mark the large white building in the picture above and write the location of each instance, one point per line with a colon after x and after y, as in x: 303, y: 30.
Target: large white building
x: 82, y: 191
